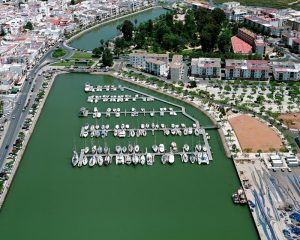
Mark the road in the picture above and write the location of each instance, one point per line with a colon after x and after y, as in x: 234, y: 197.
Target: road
x: 19, y: 116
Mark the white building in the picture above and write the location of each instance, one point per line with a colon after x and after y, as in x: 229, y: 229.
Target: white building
x: 156, y: 67
x: 176, y: 68
x: 138, y: 60
x: 286, y: 71
x: 247, y: 69
x: 206, y: 67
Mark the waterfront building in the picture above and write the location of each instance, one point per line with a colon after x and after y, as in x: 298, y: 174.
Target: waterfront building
x: 206, y: 67
x: 156, y: 67
x: 247, y: 69
x: 286, y: 71
x: 138, y: 60
x: 176, y: 68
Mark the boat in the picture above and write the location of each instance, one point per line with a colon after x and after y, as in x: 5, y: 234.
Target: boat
x: 171, y: 158
x: 86, y: 150
x: 186, y: 147
x: 136, y: 148
x: 161, y: 148
x: 107, y: 160
x: 198, y: 147
x: 192, y: 158
x: 127, y: 159
x: 197, y: 131
x: 142, y: 159
x: 105, y: 150
x: 92, y: 161
x: 135, y: 159
x: 155, y: 148
x: 130, y: 148
x: 75, y: 159
x: 164, y: 158
x: 86, y: 126
x: 184, y: 158
x: 242, y: 196
x: 99, y: 160
x: 149, y: 159
x: 84, y: 160
x: 235, y: 198
x: 204, y: 148
x: 94, y: 149
x: 118, y: 149
x: 119, y: 159
x: 124, y: 149
x: 99, y: 149
x: 174, y: 146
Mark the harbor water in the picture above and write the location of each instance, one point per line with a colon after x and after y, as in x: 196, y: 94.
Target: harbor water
x: 49, y: 199
x: 108, y: 31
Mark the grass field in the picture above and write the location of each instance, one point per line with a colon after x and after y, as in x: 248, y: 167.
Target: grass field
x: 58, y: 53
x: 82, y: 55
x: 71, y: 63
x: 266, y: 3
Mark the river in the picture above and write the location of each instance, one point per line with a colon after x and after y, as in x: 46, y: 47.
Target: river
x: 51, y: 200
x: 108, y: 31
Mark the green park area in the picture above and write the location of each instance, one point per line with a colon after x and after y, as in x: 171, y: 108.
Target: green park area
x: 59, y: 52
x: 71, y: 63
x: 79, y: 55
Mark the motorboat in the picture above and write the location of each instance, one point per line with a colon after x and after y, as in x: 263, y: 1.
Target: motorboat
x: 92, y: 161
x: 127, y: 159
x: 142, y: 158
x: 184, y: 158
x: 118, y: 149
x: 94, y: 149
x: 86, y: 150
x: 204, y: 148
x: 198, y: 147
x: 164, y: 158
x: 171, y: 158
x: 149, y: 159
x: 136, y: 148
x: 99, y: 150
x: 174, y: 146
x: 119, y: 159
x: 192, y: 158
x: 99, y: 160
x: 84, y: 160
x: 75, y: 159
x: 135, y: 159
x: 161, y: 148
x: 124, y: 149
x: 105, y: 149
x: 197, y: 131
x: 155, y: 148
x: 130, y: 148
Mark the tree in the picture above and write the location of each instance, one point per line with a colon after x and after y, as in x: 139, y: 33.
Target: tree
x: 101, y: 42
x: 218, y: 15
x: 28, y: 26
x: 2, y: 33
x: 224, y: 41
x: 72, y: 2
x: 97, y: 52
x: 127, y: 30
x: 107, y: 58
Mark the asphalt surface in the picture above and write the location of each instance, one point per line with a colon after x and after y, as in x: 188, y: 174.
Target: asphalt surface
x: 27, y: 94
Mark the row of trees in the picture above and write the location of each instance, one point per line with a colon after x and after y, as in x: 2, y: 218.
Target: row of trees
x: 105, y: 53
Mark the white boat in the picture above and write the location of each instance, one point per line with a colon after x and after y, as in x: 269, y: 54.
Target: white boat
x: 155, y: 148
x: 130, y: 148
x: 161, y: 148
x: 127, y: 159
x: 198, y: 147
x: 99, y: 149
x: 171, y: 158
x: 92, y: 161
x: 135, y: 159
x: 184, y: 158
x: 192, y: 158
x: 105, y: 149
x: 94, y: 149
x: 86, y: 127
x: 118, y: 149
x: 107, y: 160
x: 197, y: 131
x: 186, y: 147
x: 124, y: 149
x: 142, y: 158
x: 84, y: 161
x: 136, y: 148
x: 75, y: 159
x: 119, y: 159
x: 174, y: 146
x: 86, y: 150
x: 149, y: 159
x: 204, y: 148
x: 99, y: 160
x: 164, y: 158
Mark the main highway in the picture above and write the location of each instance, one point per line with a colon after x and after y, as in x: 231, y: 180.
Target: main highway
x: 28, y: 93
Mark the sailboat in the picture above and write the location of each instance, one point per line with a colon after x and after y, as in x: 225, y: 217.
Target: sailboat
x: 75, y: 158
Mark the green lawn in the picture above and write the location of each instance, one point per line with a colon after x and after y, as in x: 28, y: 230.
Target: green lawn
x: 70, y: 63
x: 82, y: 55
x: 59, y: 52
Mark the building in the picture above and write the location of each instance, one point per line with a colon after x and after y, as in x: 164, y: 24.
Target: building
x: 247, y: 69
x: 286, y: 71
x: 206, y: 67
x: 138, y: 60
x: 239, y: 46
x: 176, y: 68
x: 156, y: 67
x: 256, y: 41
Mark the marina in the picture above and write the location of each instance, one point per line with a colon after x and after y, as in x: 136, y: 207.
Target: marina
x: 95, y: 156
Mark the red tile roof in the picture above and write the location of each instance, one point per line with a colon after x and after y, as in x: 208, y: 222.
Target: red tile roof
x: 239, y: 46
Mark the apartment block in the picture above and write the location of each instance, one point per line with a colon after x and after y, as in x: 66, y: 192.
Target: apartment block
x: 206, y: 67
x: 138, y: 60
x: 156, y: 67
x: 247, y: 69
x: 176, y: 68
x: 286, y: 71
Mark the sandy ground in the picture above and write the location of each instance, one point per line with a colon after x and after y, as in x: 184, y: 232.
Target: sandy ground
x: 254, y: 135
x: 294, y: 117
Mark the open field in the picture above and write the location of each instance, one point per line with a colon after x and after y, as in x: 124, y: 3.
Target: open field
x: 266, y: 3
x: 82, y: 55
x: 58, y: 53
x: 292, y: 120
x: 254, y: 135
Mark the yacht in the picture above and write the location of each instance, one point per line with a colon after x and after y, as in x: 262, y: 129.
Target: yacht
x: 119, y: 159
x: 107, y: 160
x: 164, y: 158
x: 75, y: 159
x: 149, y: 159
x: 118, y: 149
x: 127, y: 159
x: 130, y: 148
x: 92, y: 161
x: 155, y: 148
x: 171, y: 158
x: 174, y: 146
x: 136, y: 148
x: 86, y: 150
x: 184, y: 158
x: 186, y: 147
x: 142, y: 158
x: 135, y: 159
x: 94, y: 149
x: 84, y: 160
x: 204, y: 148
x: 161, y: 148
x: 105, y: 150
x: 192, y: 158
x: 198, y: 147
x: 197, y: 132
x: 99, y: 160
x: 124, y: 149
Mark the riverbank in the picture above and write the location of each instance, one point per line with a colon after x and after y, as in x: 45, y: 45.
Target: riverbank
x: 107, y: 22
x: 18, y: 158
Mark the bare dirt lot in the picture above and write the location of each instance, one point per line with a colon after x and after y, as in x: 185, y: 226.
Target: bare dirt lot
x: 254, y: 135
x: 292, y: 120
